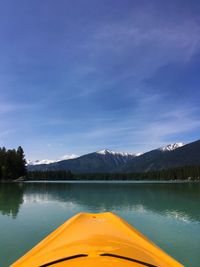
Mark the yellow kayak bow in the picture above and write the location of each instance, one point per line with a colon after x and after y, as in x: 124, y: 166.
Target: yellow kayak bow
x: 94, y: 240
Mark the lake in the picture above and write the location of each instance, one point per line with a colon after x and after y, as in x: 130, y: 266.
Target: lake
x: 167, y: 213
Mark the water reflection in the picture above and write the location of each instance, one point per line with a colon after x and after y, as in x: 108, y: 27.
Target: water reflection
x: 167, y: 213
x: 174, y: 200
x: 11, y: 197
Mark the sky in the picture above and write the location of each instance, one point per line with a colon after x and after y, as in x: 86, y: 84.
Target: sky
x: 81, y: 76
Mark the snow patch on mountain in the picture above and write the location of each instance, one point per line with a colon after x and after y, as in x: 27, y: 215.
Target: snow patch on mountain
x: 38, y: 162
x: 49, y: 161
x: 72, y: 156
x: 124, y: 154
x: 171, y: 147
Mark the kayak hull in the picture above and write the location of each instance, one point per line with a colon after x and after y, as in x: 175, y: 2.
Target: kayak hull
x: 102, y: 239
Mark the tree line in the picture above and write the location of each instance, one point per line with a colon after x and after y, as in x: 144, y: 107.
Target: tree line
x: 12, y: 164
x: 180, y: 173
x: 50, y: 175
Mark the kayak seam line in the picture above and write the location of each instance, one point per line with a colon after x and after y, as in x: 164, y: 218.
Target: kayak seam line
x: 63, y: 259
x: 128, y: 259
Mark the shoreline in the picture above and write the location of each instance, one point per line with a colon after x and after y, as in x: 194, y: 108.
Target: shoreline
x: 103, y: 181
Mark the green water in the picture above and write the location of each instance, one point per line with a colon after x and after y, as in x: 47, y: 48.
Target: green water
x: 169, y: 214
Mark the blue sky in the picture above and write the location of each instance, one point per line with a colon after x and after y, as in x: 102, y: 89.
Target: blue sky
x: 79, y: 76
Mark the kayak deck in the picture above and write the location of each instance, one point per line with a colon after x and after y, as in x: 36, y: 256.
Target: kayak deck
x: 102, y: 239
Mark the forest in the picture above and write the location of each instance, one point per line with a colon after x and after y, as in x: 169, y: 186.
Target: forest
x: 12, y: 164
x: 181, y: 173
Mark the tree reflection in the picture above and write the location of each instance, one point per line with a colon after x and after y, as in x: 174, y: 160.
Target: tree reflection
x: 11, y: 197
x: 158, y: 198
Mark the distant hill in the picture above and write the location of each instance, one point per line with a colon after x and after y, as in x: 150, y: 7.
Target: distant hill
x: 159, y: 159
x: 101, y: 161
x: 171, y: 156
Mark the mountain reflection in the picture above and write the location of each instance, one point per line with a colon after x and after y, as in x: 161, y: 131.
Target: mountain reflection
x: 174, y: 200
x: 11, y: 197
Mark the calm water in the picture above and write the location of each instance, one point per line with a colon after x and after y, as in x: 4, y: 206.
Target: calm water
x: 169, y: 214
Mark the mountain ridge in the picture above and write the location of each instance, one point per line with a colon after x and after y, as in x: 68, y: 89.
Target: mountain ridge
x: 109, y: 161
x: 156, y: 160
x: 92, y: 162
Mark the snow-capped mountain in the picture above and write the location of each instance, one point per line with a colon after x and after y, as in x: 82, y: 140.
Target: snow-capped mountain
x: 73, y: 156
x: 108, y: 161
x: 171, y: 147
x: 101, y: 161
x: 170, y: 156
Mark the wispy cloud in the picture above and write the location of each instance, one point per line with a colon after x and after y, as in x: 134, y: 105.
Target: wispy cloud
x: 142, y: 43
x: 110, y: 80
x: 5, y: 108
x: 8, y: 106
x: 4, y: 134
x: 137, y: 134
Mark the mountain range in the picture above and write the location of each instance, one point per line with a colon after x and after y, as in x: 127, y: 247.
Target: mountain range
x: 170, y: 156
x: 100, y: 161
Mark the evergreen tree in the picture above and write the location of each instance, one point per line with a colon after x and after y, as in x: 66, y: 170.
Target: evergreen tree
x: 21, y: 162
x: 12, y: 163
